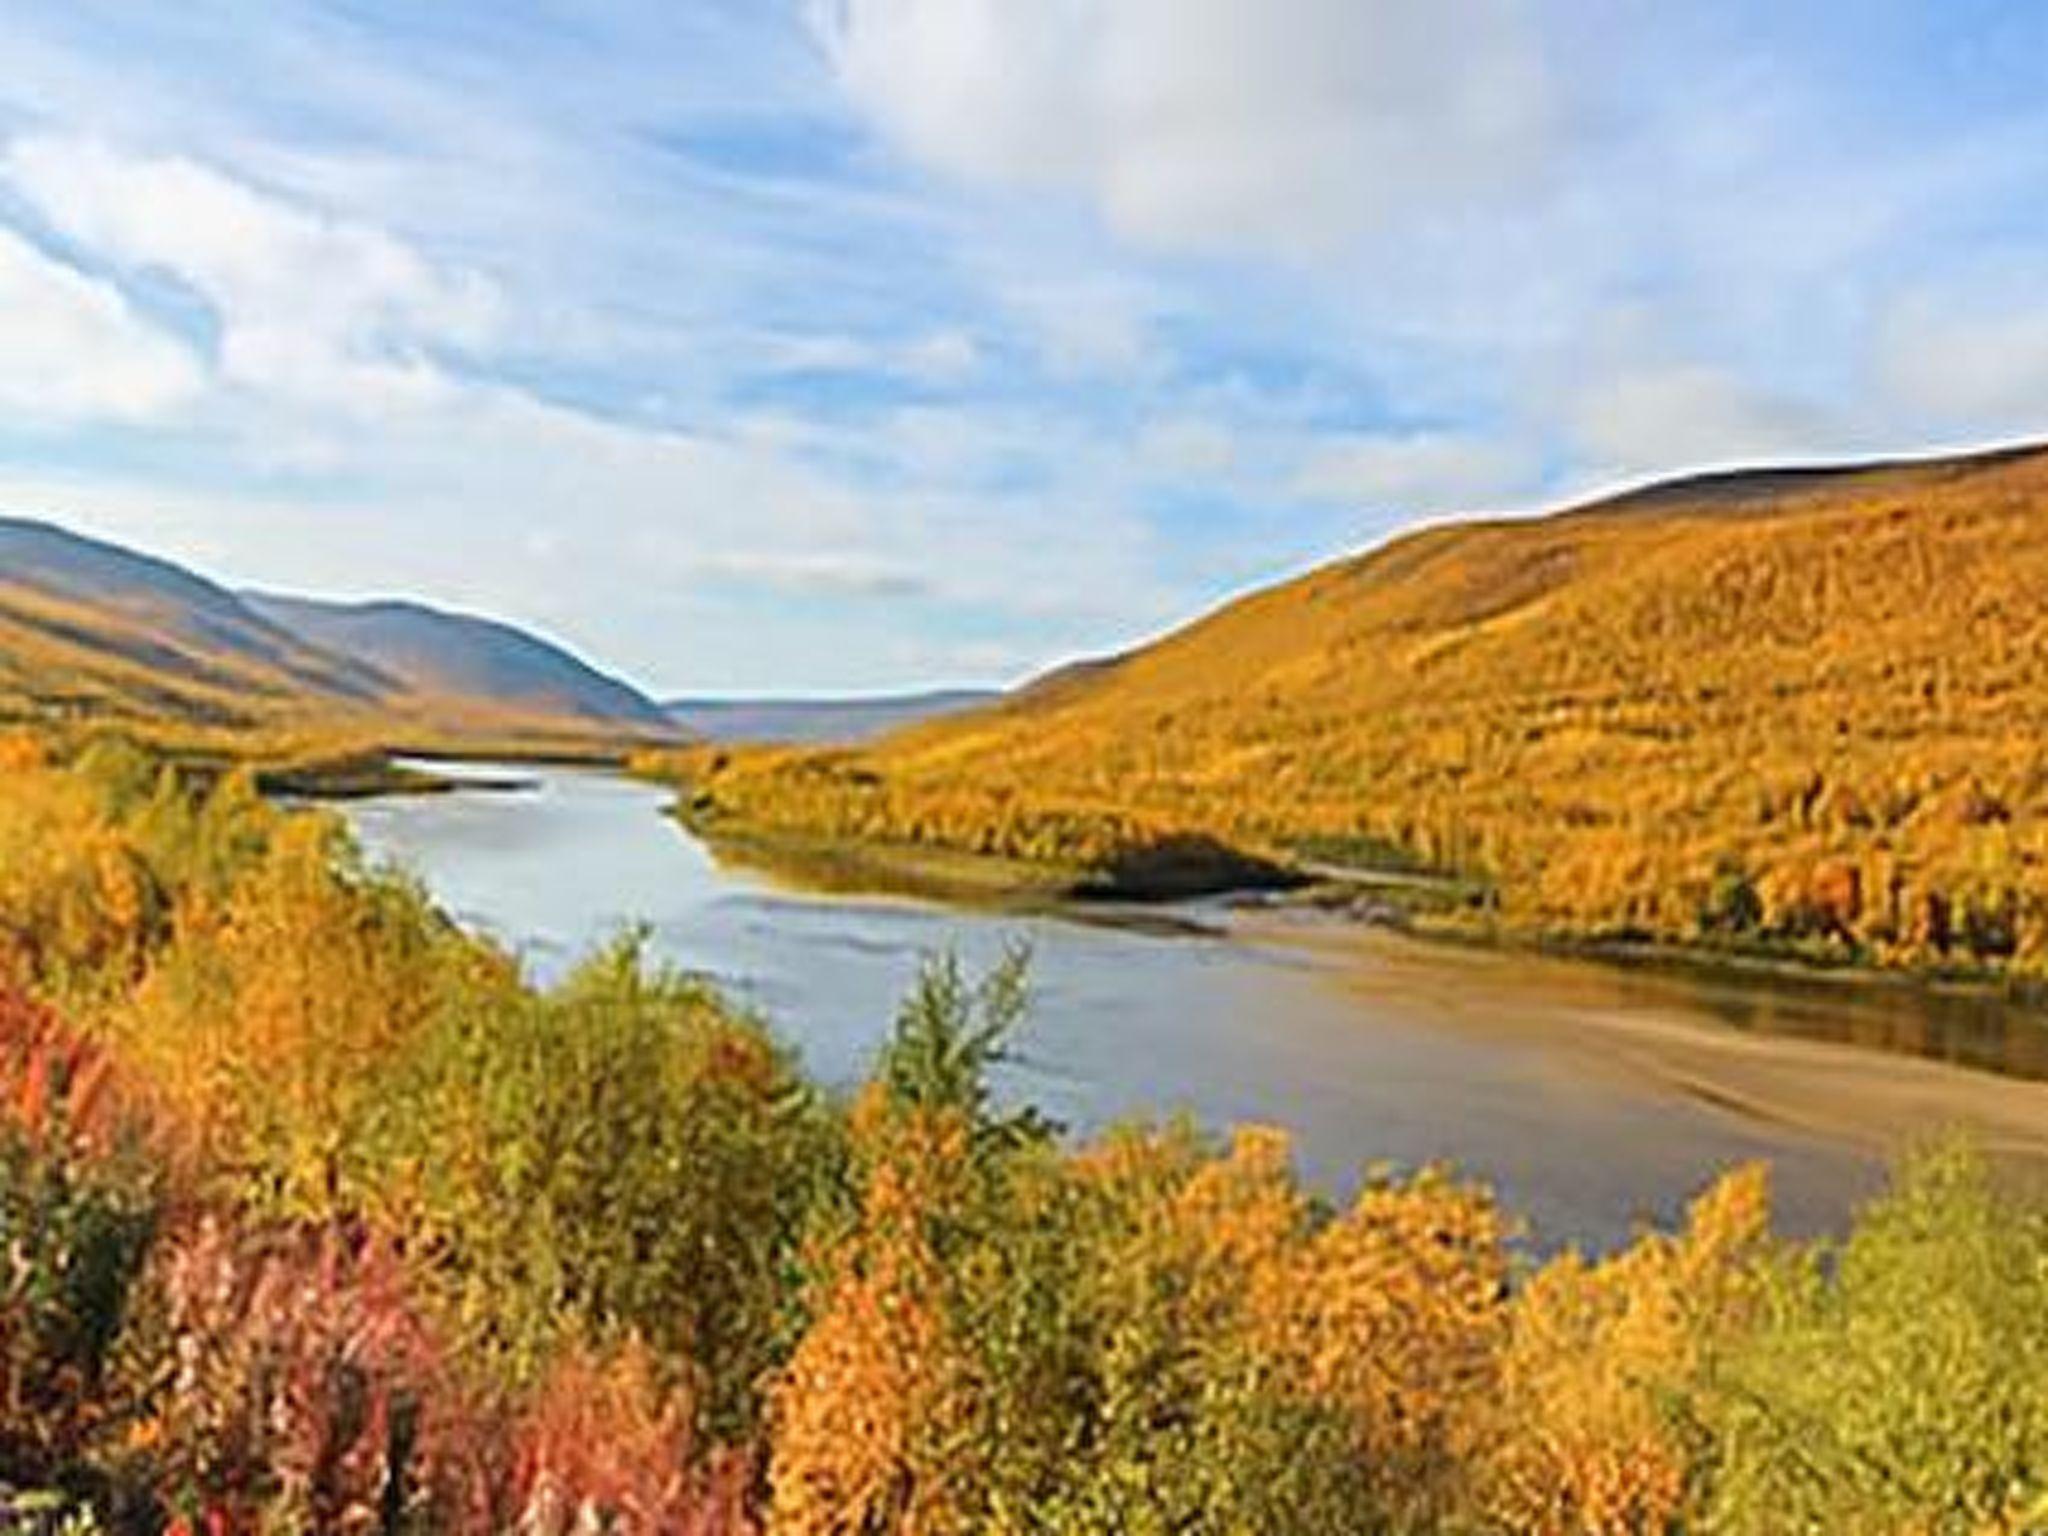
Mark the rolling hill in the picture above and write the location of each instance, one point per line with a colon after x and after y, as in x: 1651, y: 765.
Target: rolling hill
x: 1804, y: 708
x: 820, y: 721
x: 91, y: 632
x: 89, y: 629
x: 435, y: 654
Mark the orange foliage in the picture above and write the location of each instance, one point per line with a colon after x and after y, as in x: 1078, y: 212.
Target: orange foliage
x: 1578, y: 1438
x: 606, y: 1448
x: 869, y: 1389
x: 1396, y: 1314
x: 56, y: 1085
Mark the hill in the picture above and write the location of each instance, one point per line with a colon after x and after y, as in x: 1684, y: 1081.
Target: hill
x: 92, y: 633
x: 89, y: 629
x: 1797, y: 709
x: 820, y: 721
x: 437, y: 654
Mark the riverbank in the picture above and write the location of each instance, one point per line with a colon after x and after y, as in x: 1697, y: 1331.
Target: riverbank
x: 1804, y: 1061
x: 914, y: 871
x: 1441, y: 906
x: 1850, y: 1056
x: 1174, y: 868
x: 434, y: 769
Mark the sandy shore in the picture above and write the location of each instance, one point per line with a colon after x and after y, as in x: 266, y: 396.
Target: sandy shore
x: 1740, y: 1046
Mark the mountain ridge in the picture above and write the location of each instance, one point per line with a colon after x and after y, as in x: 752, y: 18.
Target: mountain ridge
x: 438, y: 651
x: 96, y: 631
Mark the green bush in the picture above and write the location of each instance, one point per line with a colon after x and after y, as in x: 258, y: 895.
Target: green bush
x: 1898, y: 1383
x: 623, y: 1156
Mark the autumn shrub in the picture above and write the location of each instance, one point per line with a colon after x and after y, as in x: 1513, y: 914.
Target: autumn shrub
x: 864, y: 1414
x: 606, y: 1447
x: 1395, y: 1315
x: 288, y: 1382
x: 264, y: 1025
x: 873, y: 1417
x: 1897, y: 1383
x: 99, y: 854
x: 77, y: 1209
x: 625, y: 1155
x: 77, y: 899
x: 1189, y: 1413
x: 47, y: 1512
x: 1580, y: 1432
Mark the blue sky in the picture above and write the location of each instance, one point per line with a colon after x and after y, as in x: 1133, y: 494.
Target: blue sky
x: 850, y: 344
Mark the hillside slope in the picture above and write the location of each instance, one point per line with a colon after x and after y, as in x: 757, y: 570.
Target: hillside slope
x: 437, y: 654
x: 91, y: 630
x: 1802, y: 707
x: 92, y: 633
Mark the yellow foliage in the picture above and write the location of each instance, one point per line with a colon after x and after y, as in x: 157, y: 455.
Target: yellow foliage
x: 75, y: 894
x: 258, y: 1025
x: 1577, y: 1437
x: 861, y: 1411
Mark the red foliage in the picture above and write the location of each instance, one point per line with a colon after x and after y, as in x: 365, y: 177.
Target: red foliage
x: 54, y: 1084
x: 606, y: 1448
x: 308, y: 1392
x: 305, y: 1387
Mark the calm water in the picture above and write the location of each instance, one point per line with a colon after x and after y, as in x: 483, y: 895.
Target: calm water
x: 1127, y: 1020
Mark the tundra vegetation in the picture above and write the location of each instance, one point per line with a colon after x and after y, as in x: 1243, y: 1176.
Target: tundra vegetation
x: 315, y: 1215
x: 1795, y: 715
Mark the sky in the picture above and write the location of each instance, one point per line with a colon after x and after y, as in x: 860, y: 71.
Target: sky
x: 842, y: 345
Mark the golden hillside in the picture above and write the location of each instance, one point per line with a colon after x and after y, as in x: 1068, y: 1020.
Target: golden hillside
x: 1801, y: 707
x: 96, y: 636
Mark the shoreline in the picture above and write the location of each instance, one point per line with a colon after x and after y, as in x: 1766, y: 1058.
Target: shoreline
x: 1601, y: 1021
x: 1645, y: 1016
x: 1401, y: 903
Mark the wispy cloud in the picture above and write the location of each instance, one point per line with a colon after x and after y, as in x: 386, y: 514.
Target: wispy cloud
x: 835, y: 342
x: 75, y: 349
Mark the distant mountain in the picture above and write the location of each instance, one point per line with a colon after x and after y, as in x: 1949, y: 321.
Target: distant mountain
x: 820, y: 721
x: 452, y: 655
x: 91, y: 631
x: 91, y: 628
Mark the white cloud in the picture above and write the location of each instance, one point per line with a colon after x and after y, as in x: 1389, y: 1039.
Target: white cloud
x: 1262, y: 124
x: 938, y: 357
x: 814, y: 573
x: 1082, y: 324
x: 1182, y: 446
x: 942, y: 357
x: 468, y: 486
x: 73, y: 350
x: 1417, y: 472
x: 330, y: 310
x: 1976, y: 362
x: 1668, y: 417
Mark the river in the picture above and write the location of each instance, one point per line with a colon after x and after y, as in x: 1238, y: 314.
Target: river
x: 1400, y: 1053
